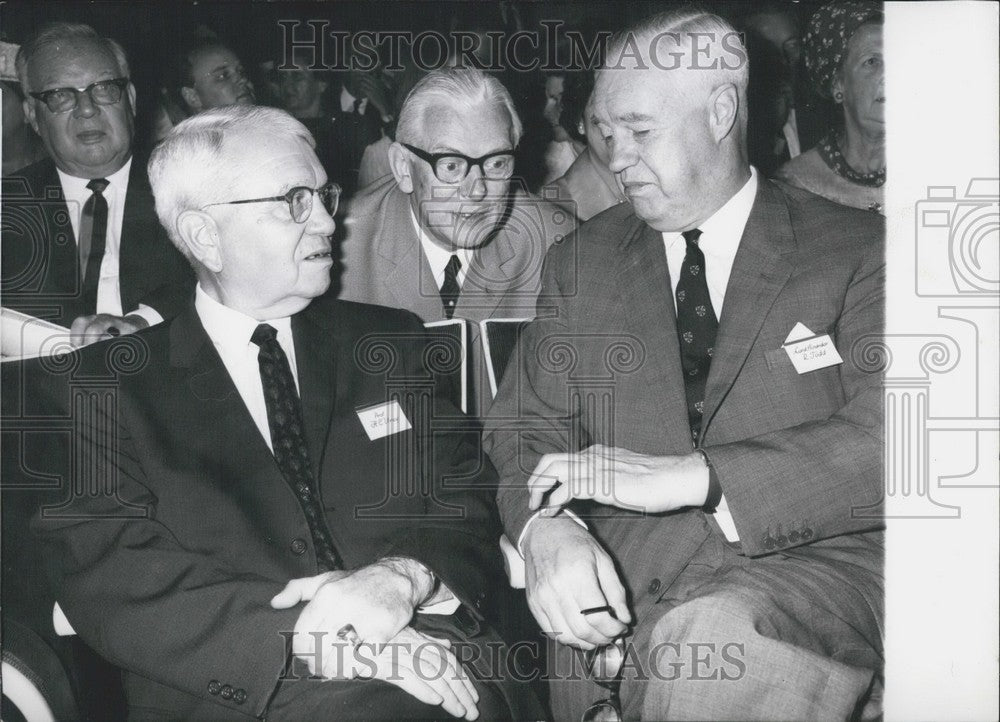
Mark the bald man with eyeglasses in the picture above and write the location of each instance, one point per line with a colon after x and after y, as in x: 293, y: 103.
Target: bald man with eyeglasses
x: 81, y: 243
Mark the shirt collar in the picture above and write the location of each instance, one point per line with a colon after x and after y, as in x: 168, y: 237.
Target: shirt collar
x: 76, y: 188
x: 347, y: 101
x: 723, y: 230
x: 229, y: 328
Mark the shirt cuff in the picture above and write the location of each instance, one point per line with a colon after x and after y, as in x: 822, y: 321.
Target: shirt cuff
x: 725, y: 520
x: 147, y: 313
x: 520, y: 539
x: 445, y: 606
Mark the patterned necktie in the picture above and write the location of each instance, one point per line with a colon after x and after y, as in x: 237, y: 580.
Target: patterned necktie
x: 288, y: 440
x: 95, y: 217
x: 450, y: 288
x: 696, y: 328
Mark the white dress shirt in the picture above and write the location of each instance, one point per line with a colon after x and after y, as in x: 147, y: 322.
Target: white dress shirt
x: 437, y: 257
x: 230, y: 332
x: 347, y: 102
x: 76, y: 193
x: 719, y: 241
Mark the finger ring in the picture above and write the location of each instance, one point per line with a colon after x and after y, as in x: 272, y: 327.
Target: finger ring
x: 113, y: 331
x: 350, y: 635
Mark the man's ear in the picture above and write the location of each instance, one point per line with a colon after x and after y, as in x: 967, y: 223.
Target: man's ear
x: 131, y: 95
x: 28, y: 106
x: 401, y: 170
x: 200, y: 233
x: 724, y: 109
x: 190, y: 96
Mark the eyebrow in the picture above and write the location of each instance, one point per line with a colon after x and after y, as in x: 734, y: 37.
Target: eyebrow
x: 635, y: 118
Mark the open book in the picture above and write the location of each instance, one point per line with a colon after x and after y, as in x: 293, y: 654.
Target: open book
x: 23, y: 336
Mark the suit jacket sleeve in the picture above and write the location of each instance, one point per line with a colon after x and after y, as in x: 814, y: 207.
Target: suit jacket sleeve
x: 144, y: 599
x: 823, y: 471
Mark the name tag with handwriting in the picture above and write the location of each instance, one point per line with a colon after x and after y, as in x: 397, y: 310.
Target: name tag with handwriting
x: 813, y: 353
x: 383, y: 420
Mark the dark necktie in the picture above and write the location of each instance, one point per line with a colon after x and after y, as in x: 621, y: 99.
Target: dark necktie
x: 357, y: 106
x: 450, y: 288
x: 288, y: 440
x: 95, y: 217
x: 696, y: 328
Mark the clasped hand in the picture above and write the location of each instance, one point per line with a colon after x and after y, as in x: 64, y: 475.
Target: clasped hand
x: 378, y: 601
x: 618, y: 477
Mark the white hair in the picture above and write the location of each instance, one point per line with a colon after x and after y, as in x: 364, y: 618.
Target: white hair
x: 200, y: 158
x: 688, y: 38
x: 453, y: 87
x: 56, y: 31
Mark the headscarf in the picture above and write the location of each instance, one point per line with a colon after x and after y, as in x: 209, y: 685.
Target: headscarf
x: 827, y: 35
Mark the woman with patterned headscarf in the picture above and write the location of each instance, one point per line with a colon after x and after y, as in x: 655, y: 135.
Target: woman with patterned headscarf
x: 843, y: 54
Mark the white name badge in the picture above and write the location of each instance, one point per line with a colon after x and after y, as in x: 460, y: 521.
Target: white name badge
x: 810, y: 354
x: 383, y: 420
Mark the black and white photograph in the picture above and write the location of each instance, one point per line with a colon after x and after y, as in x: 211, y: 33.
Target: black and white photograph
x: 500, y: 360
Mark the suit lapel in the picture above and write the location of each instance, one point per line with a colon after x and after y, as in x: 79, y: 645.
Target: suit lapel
x: 315, y: 360
x: 214, y: 401
x: 65, y: 276
x: 760, y: 271
x: 139, y: 209
x: 492, y: 271
x: 649, y: 305
x: 408, y: 277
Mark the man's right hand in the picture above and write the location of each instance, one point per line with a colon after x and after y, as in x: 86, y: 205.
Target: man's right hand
x: 568, y: 571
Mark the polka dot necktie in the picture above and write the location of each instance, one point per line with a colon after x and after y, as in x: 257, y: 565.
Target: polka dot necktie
x: 450, y: 289
x: 95, y: 217
x: 288, y: 440
x: 696, y: 328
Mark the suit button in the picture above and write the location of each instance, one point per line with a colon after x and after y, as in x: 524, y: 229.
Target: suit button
x: 769, y: 543
x: 781, y: 540
x: 793, y: 536
x: 807, y: 533
x: 240, y: 696
x: 227, y: 692
x: 298, y: 547
x: 214, y: 686
x: 654, y: 586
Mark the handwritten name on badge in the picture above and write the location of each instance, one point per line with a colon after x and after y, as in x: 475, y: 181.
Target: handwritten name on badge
x: 383, y: 420
x: 809, y: 352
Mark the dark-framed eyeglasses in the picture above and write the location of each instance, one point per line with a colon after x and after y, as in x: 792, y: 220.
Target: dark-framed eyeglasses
x: 101, y: 92
x: 454, y: 167
x: 299, y: 200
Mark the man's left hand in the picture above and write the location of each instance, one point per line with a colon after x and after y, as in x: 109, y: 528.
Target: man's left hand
x: 619, y: 477
x: 102, y: 326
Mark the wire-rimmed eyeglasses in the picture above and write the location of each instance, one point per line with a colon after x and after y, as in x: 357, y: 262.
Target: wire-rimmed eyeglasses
x: 101, y: 92
x: 299, y: 200
x: 452, y: 167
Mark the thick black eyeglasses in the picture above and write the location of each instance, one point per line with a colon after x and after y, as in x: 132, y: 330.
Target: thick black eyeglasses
x: 453, y: 167
x: 299, y: 200
x: 102, y: 92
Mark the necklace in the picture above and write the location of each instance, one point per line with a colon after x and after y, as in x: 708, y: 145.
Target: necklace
x: 829, y: 151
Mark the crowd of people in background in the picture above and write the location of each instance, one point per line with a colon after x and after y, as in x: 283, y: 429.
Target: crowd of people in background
x: 816, y: 91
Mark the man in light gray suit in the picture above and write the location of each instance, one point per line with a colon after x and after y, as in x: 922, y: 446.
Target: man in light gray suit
x: 449, y: 234
x: 708, y: 405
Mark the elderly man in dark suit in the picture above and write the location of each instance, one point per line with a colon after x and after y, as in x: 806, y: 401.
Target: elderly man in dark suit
x: 81, y: 242
x: 449, y: 235
x: 278, y: 480
x: 706, y: 403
